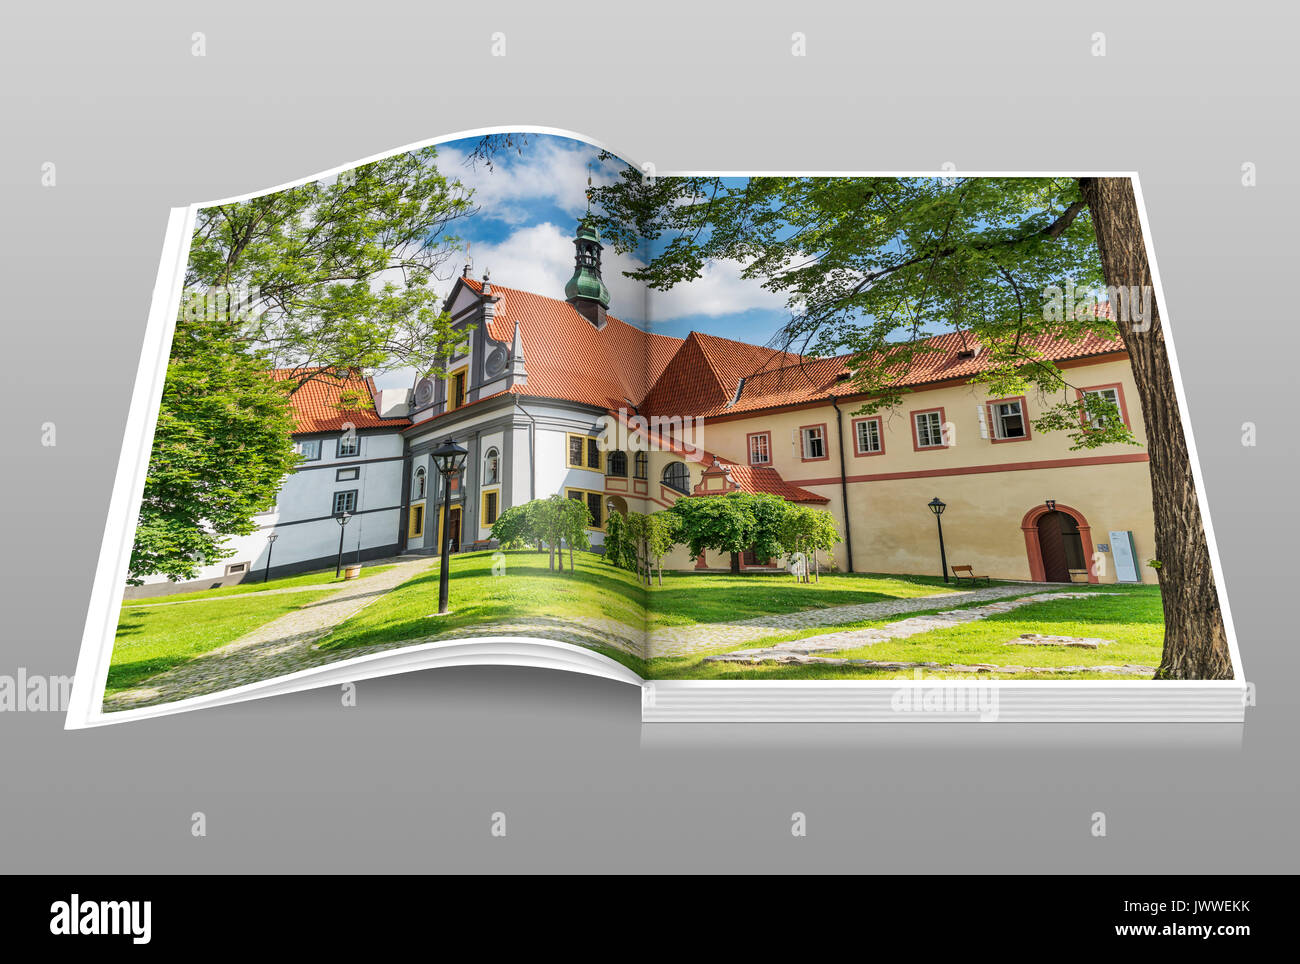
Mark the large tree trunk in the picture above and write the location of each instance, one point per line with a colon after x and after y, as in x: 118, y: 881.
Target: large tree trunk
x: 1196, y: 643
x: 735, y: 563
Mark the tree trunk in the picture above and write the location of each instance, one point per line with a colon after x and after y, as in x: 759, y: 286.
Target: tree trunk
x: 570, y: 557
x: 550, y: 562
x: 1196, y: 643
x: 735, y: 564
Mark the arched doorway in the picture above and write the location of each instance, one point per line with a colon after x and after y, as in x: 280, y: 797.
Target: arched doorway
x: 616, y: 503
x: 1057, y: 540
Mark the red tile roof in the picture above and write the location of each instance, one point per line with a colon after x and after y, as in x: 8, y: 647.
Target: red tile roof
x: 791, y: 379
x: 764, y: 478
x: 566, y: 357
x: 317, y: 403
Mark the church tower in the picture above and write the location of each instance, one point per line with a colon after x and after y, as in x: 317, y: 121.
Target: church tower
x: 585, y: 290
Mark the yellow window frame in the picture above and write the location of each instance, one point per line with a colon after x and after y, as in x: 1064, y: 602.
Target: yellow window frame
x: 582, y: 464
x: 604, y: 515
x: 451, y: 387
x: 412, y: 530
x: 483, y: 512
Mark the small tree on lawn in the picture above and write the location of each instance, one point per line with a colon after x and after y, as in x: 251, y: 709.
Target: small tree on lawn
x: 732, y: 523
x: 619, y: 550
x: 805, y: 531
x: 663, y: 534
x: 575, y: 518
x: 516, y: 527
x: 638, y: 534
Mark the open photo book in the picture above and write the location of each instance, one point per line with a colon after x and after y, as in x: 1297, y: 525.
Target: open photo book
x: 777, y: 447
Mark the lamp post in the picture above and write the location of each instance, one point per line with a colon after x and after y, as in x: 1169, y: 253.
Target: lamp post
x: 342, y: 519
x: 937, y: 508
x: 449, y: 458
x: 270, y: 545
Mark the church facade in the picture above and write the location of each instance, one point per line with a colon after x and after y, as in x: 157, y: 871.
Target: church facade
x: 541, y: 380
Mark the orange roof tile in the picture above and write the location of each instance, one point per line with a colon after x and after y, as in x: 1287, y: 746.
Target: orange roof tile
x: 317, y: 403
x: 566, y: 357
x: 764, y: 478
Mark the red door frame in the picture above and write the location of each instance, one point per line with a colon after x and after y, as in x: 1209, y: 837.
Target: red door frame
x: 1034, y: 549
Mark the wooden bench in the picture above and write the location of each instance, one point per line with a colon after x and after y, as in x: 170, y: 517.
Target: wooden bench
x: 966, y: 572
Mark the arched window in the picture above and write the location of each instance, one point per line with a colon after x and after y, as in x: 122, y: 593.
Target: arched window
x: 677, y: 476
x: 641, y: 465
x: 616, y: 464
x: 419, y: 483
x: 491, y: 467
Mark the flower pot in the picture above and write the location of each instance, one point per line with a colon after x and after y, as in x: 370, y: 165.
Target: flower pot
x: 352, y: 571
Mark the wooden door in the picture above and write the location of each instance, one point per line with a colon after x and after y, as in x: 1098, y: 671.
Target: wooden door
x: 1052, y: 544
x: 453, y: 526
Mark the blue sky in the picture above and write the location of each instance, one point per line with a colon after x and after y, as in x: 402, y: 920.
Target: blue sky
x: 529, y: 206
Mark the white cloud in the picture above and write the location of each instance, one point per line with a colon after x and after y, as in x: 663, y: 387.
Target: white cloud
x: 720, y: 290
x: 550, y: 169
x: 540, y: 259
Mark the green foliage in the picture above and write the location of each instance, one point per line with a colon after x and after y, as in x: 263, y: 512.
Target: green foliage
x: 620, y: 550
x: 871, y: 265
x: 554, y: 521
x: 731, y: 523
x: 318, y: 262
x: 516, y: 527
x: 221, y: 449
x: 807, y: 531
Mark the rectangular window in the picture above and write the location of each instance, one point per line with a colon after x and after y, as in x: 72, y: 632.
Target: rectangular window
x: 456, y: 389
x: 760, y: 448
x: 347, y: 475
x: 349, y: 445
x: 642, y: 465
x: 416, y: 527
x: 584, y: 452
x: 345, y: 502
x: 490, y: 501
x: 595, y: 502
x: 1007, y: 417
x: 1111, y: 394
x: 866, y: 436
x: 309, y: 449
x: 928, y: 428
x: 235, y: 568
x: 813, y: 440
x: 616, y: 464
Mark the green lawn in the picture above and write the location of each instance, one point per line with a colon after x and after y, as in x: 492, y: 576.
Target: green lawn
x: 151, y: 640
x: 324, y: 577
x: 688, y: 597
x: 524, y: 589
x: 1132, y: 616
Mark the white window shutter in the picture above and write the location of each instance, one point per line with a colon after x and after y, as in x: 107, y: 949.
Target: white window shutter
x: 981, y: 413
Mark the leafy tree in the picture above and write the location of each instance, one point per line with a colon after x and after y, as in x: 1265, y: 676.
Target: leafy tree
x: 338, y: 274
x: 620, y: 550
x: 221, y: 449
x: 555, y: 521
x: 516, y: 527
x: 662, y: 535
x: 731, y: 523
x: 868, y: 263
x: 807, y: 531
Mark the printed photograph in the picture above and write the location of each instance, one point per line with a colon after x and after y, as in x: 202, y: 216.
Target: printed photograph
x: 709, y: 427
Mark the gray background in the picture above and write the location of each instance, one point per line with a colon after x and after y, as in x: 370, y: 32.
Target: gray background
x: 407, y: 779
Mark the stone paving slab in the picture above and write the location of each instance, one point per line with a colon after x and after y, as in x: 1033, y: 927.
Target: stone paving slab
x: 690, y: 640
x: 798, y: 659
x: 1079, y: 642
x: 812, y: 646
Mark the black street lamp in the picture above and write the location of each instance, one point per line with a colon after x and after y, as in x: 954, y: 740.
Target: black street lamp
x: 449, y: 458
x: 937, y: 508
x: 342, y: 519
x: 270, y: 545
